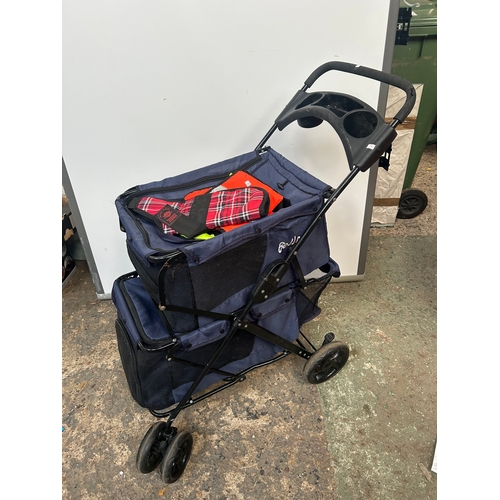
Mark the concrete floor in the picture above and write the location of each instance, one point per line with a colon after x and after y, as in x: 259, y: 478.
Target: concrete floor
x: 369, y: 433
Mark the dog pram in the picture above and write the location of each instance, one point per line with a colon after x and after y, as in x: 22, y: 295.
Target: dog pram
x: 230, y: 261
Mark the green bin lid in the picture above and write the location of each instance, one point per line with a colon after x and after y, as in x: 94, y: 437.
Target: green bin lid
x: 424, y: 16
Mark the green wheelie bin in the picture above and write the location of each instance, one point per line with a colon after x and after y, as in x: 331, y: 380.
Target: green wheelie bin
x: 415, y: 59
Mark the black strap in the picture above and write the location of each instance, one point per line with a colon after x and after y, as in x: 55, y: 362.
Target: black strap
x: 180, y: 223
x: 169, y: 216
x: 197, y: 312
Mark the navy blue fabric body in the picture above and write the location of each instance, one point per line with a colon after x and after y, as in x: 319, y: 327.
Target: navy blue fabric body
x: 301, y: 188
x: 156, y: 383
x: 202, y: 279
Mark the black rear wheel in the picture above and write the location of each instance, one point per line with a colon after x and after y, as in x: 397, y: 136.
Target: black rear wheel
x: 326, y: 362
x: 176, y: 457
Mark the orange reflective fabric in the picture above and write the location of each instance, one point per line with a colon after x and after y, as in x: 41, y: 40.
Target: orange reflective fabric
x: 242, y: 179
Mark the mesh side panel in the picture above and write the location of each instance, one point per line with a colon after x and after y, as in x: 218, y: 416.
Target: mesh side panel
x: 128, y: 361
x: 148, y: 373
x: 307, y: 299
x: 228, y: 273
x: 147, y: 275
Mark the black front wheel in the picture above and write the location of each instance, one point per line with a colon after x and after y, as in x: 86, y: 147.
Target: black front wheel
x: 152, y: 447
x: 176, y: 457
x: 412, y: 203
x: 326, y: 362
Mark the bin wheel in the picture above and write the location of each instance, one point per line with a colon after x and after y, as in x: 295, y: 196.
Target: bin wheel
x: 176, y: 457
x: 152, y: 448
x: 326, y: 362
x: 411, y: 203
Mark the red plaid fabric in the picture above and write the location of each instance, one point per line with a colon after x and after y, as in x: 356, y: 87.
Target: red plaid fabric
x: 152, y: 206
x: 225, y: 208
x: 237, y: 206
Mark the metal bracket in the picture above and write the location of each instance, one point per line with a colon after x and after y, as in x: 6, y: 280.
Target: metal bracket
x: 269, y: 281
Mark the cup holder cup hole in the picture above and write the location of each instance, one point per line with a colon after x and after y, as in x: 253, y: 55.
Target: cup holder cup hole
x: 360, y: 124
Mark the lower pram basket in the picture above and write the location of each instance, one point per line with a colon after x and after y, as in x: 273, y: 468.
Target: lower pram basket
x: 159, y: 372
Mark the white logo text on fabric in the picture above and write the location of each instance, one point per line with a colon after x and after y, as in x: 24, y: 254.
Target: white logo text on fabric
x: 284, y: 244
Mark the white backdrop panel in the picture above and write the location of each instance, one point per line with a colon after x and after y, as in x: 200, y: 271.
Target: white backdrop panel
x: 155, y: 88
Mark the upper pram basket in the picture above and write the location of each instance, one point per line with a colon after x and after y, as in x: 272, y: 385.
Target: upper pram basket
x: 193, y: 279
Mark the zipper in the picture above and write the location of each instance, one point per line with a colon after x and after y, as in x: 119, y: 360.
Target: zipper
x: 161, y: 278
x: 132, y: 193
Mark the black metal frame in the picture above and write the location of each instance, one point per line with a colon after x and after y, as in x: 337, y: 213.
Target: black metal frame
x: 269, y: 281
x: 266, y: 286
x: 232, y: 378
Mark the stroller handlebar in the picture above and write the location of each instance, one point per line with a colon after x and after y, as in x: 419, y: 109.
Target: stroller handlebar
x: 365, y: 135
x: 373, y: 74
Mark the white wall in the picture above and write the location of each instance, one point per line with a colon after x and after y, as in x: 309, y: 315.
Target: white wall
x: 154, y: 88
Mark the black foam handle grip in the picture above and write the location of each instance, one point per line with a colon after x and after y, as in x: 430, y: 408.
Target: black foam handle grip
x: 373, y: 74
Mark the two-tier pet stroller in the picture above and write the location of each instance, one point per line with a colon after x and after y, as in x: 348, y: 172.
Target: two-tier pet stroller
x: 230, y: 261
